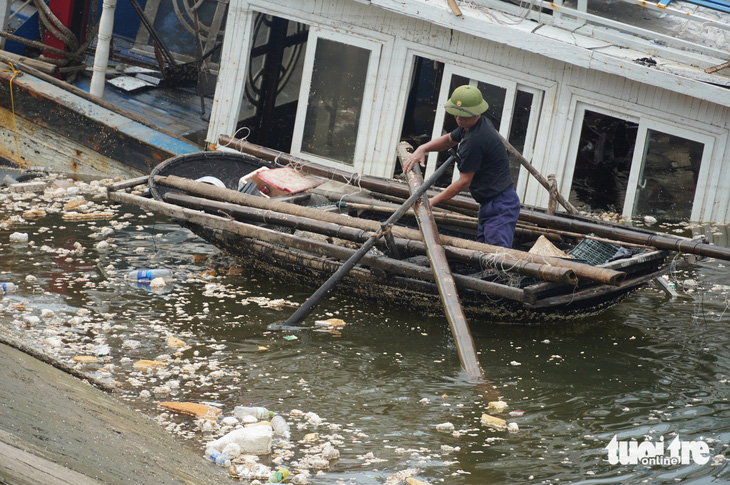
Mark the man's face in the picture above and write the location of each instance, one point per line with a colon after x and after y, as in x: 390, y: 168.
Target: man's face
x: 466, y: 122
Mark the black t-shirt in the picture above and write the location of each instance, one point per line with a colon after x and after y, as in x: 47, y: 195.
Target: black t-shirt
x: 483, y: 153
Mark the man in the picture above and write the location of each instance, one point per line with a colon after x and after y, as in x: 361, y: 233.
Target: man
x: 483, y: 168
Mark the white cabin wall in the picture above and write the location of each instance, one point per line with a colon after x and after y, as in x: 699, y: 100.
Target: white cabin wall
x: 563, y: 83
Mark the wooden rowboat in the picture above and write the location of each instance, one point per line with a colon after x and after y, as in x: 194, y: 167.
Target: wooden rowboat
x: 312, y: 222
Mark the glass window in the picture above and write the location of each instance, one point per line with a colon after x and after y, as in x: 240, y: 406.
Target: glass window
x: 172, y: 14
x: 273, y: 79
x: 518, y: 129
x: 335, y: 100
x: 603, y: 162
x: 668, y: 177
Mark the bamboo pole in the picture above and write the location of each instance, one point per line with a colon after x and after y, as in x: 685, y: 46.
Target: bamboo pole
x: 42, y: 66
x: 442, y: 274
x: 41, y: 45
x: 320, y: 248
x: 538, y: 176
x: 601, y: 275
x: 659, y: 241
x: 454, y: 7
x: 306, y: 308
x: 475, y: 258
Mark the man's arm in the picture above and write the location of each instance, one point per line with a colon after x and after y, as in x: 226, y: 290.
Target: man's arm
x: 462, y: 183
x: 439, y: 144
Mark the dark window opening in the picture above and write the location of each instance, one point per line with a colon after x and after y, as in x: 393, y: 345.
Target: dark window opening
x: 422, y: 103
x: 272, y: 82
x: 668, y: 180
x: 603, y: 163
x: 518, y: 130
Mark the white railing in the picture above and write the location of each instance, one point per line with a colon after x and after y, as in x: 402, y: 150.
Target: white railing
x: 576, y: 15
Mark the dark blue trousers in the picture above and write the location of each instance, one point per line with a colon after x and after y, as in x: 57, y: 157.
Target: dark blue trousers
x: 498, y: 218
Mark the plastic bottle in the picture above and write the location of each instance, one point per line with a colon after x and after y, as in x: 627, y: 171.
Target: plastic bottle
x: 279, y: 477
x: 255, y: 440
x: 281, y: 427
x: 219, y: 458
x: 147, y: 275
x: 257, y: 412
x: 7, y: 287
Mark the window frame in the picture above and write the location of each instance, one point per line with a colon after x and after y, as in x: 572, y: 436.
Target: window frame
x: 638, y: 161
x: 511, y: 87
x: 369, y: 93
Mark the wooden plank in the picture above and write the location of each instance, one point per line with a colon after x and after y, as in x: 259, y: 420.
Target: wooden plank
x: 476, y: 258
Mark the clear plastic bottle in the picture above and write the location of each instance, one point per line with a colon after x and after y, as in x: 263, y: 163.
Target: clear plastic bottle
x: 281, y: 427
x: 6, y: 287
x: 279, y: 477
x: 147, y: 275
x: 220, y: 459
x: 258, y: 412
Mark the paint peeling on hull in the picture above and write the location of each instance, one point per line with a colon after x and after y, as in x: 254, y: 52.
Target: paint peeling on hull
x: 65, y: 132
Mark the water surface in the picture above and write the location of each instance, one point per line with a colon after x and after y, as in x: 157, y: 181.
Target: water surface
x: 652, y: 367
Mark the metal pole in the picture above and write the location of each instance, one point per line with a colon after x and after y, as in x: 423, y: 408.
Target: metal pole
x: 101, y: 58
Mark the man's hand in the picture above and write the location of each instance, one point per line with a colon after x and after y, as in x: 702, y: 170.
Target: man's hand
x: 418, y: 156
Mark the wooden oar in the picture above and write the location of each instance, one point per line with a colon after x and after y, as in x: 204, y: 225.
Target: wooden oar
x: 442, y: 274
x: 538, y: 176
x: 314, y: 300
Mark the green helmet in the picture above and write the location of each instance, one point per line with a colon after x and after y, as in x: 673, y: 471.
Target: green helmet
x: 466, y: 101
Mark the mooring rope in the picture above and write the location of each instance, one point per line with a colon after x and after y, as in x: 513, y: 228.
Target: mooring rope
x: 16, y: 73
x: 62, y: 33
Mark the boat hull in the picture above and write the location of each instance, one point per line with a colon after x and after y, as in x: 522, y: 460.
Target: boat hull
x: 70, y: 132
x: 543, y: 302
x: 293, y: 267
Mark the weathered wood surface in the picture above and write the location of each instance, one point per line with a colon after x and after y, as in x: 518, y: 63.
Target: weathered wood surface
x: 593, y: 273
x: 309, y: 245
x: 442, y: 275
x: 87, y: 123
x: 56, y: 429
x: 659, y: 241
x: 476, y: 258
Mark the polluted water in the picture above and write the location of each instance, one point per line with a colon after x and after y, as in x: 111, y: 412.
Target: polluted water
x: 370, y: 393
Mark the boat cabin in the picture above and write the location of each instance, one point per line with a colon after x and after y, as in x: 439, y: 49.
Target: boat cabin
x: 625, y: 102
